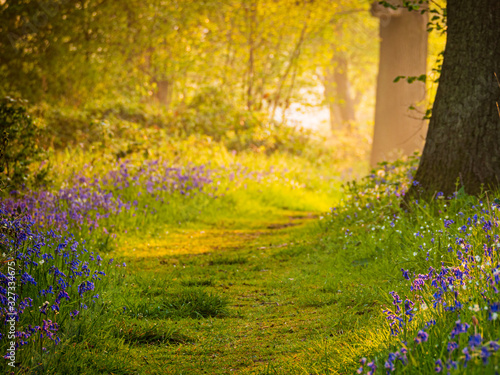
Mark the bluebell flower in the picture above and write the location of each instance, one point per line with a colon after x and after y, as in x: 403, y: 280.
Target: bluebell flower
x: 422, y: 336
x: 452, y: 345
x: 439, y: 365
x: 485, y: 354
x: 475, y: 340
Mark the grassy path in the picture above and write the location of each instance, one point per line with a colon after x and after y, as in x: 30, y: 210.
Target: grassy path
x: 265, y: 300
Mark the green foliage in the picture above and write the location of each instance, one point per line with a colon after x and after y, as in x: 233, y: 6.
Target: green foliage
x: 258, y: 54
x: 211, y: 113
x: 121, y: 129
x: 19, y: 149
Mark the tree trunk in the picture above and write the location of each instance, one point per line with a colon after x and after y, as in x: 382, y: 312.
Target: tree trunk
x: 403, y: 52
x: 164, y: 92
x: 338, y: 95
x: 463, y: 141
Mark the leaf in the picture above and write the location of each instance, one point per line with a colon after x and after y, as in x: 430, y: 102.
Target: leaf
x: 398, y: 78
x: 461, y: 193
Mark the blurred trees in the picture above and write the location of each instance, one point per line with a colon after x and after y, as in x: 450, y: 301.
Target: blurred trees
x: 258, y: 52
x: 230, y: 69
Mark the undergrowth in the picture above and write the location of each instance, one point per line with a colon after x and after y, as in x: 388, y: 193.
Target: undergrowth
x: 228, y: 269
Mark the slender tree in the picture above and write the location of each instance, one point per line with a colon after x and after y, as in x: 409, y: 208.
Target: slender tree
x: 340, y: 100
x: 463, y: 141
x: 403, y: 52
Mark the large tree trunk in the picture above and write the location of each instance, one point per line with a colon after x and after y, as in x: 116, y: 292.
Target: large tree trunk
x: 403, y: 52
x: 463, y: 141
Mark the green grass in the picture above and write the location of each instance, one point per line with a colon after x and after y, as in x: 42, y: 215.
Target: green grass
x: 261, y: 281
x: 271, y: 303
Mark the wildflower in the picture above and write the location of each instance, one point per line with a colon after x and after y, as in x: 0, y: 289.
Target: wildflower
x: 389, y: 364
x: 422, y: 336
x: 485, y: 354
x: 452, y: 345
x: 372, y: 367
x: 474, y: 308
x: 459, y: 328
x: 467, y: 358
x: 405, y: 274
x: 494, y: 345
x: 439, y: 366
x: 475, y: 340
x: 451, y: 364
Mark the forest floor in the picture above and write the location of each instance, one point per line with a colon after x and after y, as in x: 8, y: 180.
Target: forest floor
x: 265, y: 278
x: 261, y: 302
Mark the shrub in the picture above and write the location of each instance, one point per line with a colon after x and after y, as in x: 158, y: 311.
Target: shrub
x: 19, y: 148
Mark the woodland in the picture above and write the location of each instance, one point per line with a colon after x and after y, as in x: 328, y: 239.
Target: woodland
x: 249, y: 186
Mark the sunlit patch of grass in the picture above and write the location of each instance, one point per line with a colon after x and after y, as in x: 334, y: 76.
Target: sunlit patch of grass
x: 272, y: 280
x: 184, y: 242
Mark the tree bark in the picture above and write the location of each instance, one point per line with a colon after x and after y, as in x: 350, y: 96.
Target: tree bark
x: 403, y: 52
x: 463, y: 142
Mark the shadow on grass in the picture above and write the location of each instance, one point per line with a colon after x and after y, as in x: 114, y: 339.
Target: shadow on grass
x: 146, y: 332
x: 190, y: 303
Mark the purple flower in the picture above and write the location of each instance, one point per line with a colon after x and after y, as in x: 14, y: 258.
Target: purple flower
x: 467, y: 358
x: 452, y: 345
x: 422, y: 336
x: 372, y: 367
x: 439, y: 366
x: 459, y: 328
x: 475, y: 340
x: 485, y: 354
x: 405, y: 274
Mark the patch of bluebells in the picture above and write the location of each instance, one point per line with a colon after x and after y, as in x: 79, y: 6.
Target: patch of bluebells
x: 84, y: 202
x: 54, y: 274
x: 88, y: 200
x: 373, y: 197
x: 465, y: 287
x: 456, y: 247
x: 57, y: 276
